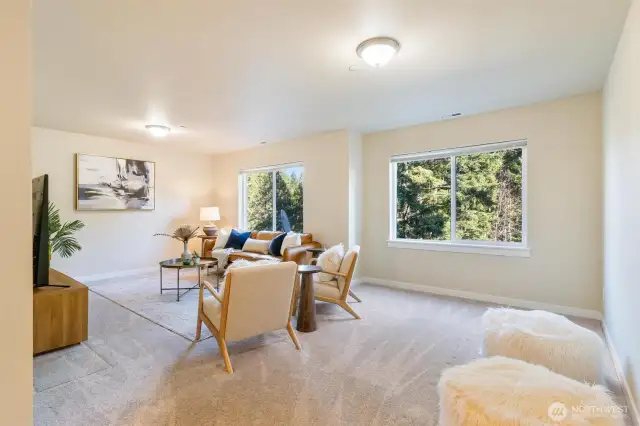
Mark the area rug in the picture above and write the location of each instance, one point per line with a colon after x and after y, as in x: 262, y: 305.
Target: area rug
x: 141, y: 295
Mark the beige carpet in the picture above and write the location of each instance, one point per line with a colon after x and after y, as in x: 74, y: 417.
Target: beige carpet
x: 382, y: 370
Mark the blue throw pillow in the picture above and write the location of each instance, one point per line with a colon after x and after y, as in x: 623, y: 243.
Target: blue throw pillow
x: 236, y: 239
x: 276, y: 245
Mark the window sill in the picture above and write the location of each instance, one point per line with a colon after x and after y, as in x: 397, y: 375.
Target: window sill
x: 475, y: 248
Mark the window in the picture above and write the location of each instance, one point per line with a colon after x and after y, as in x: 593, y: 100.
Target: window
x: 469, y: 199
x: 266, y: 191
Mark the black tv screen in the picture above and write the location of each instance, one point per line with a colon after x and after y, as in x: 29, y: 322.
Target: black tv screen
x: 40, y: 212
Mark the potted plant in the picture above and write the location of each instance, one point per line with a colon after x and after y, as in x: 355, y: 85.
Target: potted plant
x: 184, y: 234
x: 61, y: 239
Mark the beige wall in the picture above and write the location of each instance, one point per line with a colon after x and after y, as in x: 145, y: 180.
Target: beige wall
x: 564, y: 205
x: 326, y: 181
x: 115, y: 241
x: 622, y: 200
x: 15, y: 216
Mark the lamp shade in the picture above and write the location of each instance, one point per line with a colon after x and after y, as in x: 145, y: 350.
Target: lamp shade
x: 209, y: 213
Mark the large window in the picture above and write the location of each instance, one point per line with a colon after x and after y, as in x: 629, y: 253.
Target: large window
x: 266, y: 191
x: 469, y: 199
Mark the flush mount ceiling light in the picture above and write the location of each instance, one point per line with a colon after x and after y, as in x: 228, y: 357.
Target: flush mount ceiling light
x: 378, y: 51
x: 157, y: 130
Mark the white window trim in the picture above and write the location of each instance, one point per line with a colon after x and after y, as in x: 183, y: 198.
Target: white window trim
x: 497, y: 248
x: 243, y: 201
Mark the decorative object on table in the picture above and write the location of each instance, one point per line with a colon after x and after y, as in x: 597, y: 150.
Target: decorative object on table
x: 209, y: 215
x: 179, y: 264
x: 61, y: 239
x: 195, y: 257
x: 184, y: 234
x: 108, y: 183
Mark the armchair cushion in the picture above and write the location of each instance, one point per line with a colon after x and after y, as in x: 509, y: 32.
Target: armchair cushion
x: 327, y: 289
x: 330, y: 261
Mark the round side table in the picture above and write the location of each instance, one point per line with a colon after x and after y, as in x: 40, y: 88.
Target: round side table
x: 178, y: 264
x: 307, y: 306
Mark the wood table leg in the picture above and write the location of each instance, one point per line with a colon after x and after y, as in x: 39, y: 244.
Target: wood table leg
x: 307, y: 308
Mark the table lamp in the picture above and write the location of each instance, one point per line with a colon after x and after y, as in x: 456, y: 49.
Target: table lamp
x: 209, y: 214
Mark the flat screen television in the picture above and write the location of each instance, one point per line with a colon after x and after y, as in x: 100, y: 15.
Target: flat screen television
x: 40, y: 212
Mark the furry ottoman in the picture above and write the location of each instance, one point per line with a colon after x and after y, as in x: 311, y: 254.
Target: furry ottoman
x: 546, y: 339
x: 504, y: 391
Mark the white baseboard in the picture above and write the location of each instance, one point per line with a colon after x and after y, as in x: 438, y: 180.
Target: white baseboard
x: 617, y: 364
x: 470, y: 295
x: 116, y: 274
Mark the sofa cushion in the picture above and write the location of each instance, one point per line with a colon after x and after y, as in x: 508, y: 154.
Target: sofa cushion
x: 267, y: 235
x: 221, y: 239
x: 237, y: 239
x: 256, y: 246
x: 290, y: 240
x: 327, y: 289
x: 276, y: 244
x: 250, y: 256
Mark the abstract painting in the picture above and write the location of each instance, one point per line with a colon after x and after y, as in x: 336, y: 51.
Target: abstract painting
x: 107, y: 183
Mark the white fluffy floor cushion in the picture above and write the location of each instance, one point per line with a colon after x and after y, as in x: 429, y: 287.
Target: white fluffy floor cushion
x: 504, y: 391
x: 546, y: 339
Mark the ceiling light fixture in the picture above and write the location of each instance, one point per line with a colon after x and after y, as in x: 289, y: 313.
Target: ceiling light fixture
x: 158, y: 131
x: 378, y: 51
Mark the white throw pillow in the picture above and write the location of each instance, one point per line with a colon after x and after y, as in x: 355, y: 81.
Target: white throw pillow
x: 291, y: 240
x: 256, y: 246
x: 223, y: 237
x: 330, y: 261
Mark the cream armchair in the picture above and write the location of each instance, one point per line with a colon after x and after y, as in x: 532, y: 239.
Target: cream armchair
x: 254, y: 300
x: 337, y: 290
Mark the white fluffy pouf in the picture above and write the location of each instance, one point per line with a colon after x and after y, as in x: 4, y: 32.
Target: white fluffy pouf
x: 545, y: 339
x: 504, y: 391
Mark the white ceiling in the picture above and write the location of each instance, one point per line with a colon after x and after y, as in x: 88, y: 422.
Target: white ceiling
x: 239, y: 72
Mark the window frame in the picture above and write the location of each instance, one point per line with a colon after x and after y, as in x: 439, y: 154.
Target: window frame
x: 499, y: 248
x: 243, y: 193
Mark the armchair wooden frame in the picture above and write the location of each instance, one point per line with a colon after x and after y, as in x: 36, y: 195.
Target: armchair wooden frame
x: 346, y: 290
x: 220, y: 334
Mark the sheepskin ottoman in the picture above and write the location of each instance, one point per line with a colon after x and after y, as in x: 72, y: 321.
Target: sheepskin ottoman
x: 546, y: 339
x: 505, y: 391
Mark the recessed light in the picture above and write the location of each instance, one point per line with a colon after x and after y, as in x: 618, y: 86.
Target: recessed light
x: 263, y: 143
x: 157, y: 131
x: 378, y: 51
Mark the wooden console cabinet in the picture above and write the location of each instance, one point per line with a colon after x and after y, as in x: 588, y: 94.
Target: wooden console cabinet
x: 60, y: 315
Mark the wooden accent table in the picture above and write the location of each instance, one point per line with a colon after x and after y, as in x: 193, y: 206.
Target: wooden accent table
x: 205, y: 238
x: 60, y: 315
x: 307, y: 307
